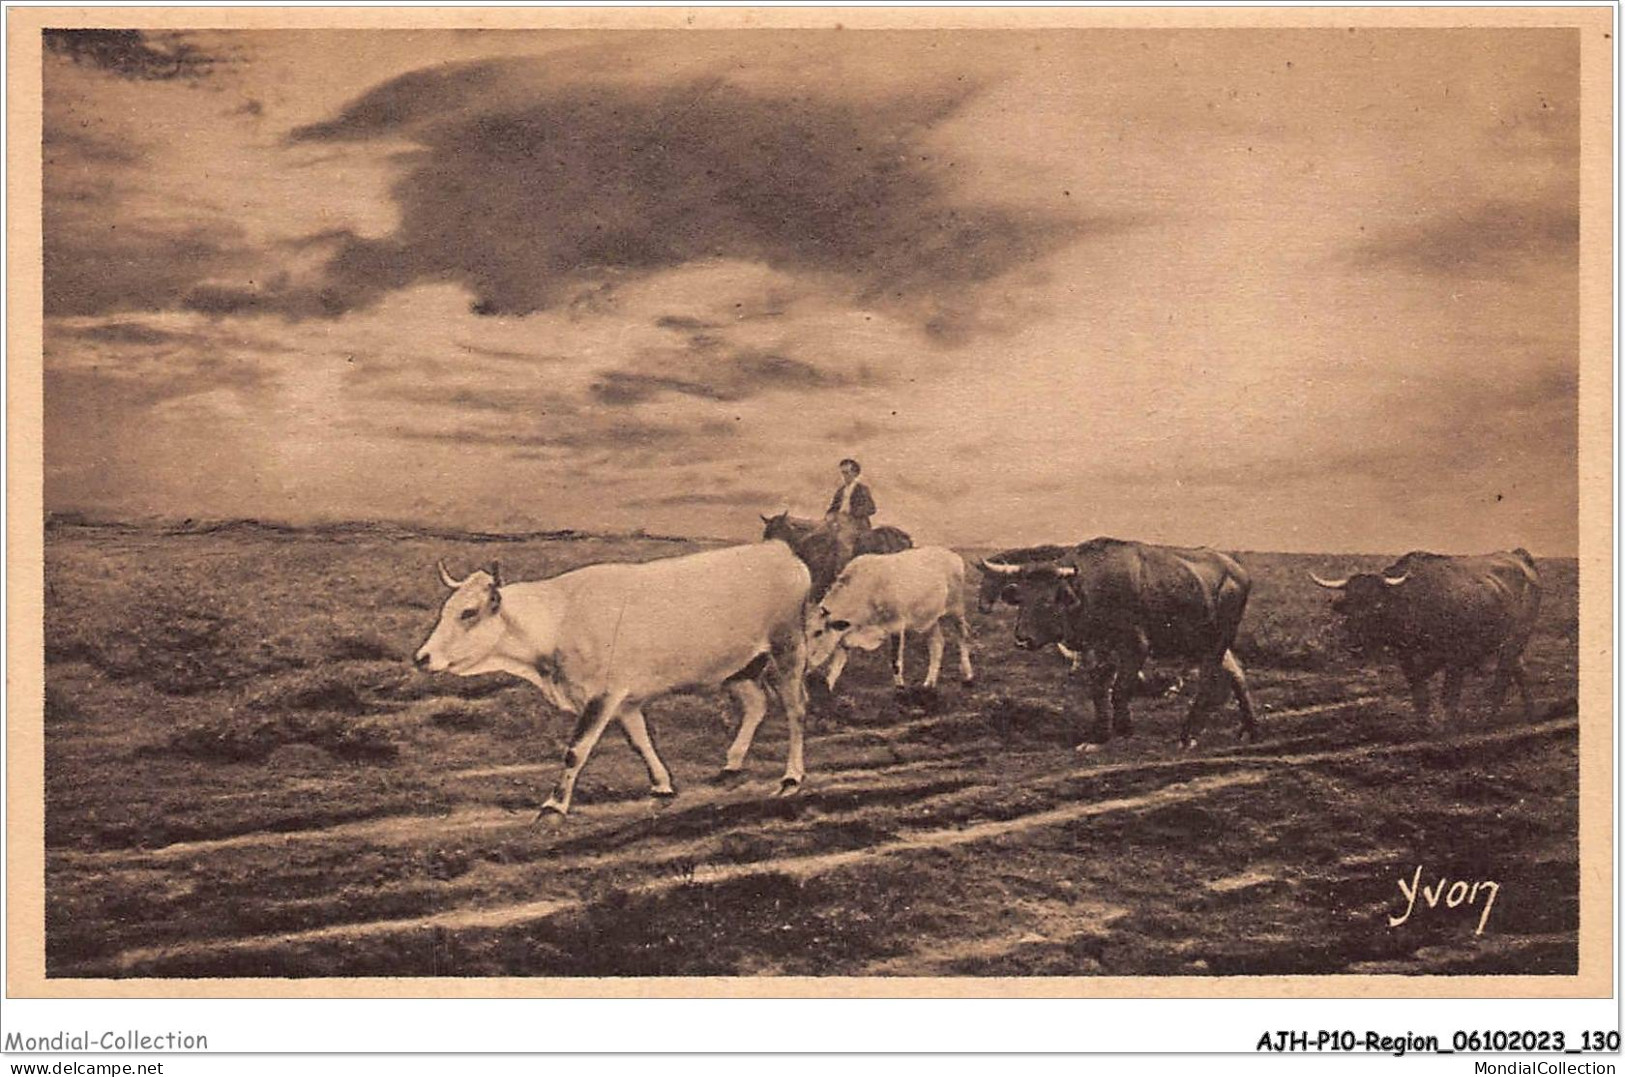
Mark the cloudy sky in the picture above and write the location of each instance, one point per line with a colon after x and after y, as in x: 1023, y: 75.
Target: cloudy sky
x: 1290, y: 290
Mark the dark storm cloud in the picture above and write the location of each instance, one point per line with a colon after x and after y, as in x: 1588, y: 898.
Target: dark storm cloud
x: 745, y: 373
x: 101, y: 253
x: 586, y: 431
x: 511, y: 356
x: 527, y: 198
x: 622, y: 388
x: 101, y: 396
x: 211, y: 356
x: 358, y: 272
x: 77, y: 149
x: 1497, y: 239
x: 520, y: 402
x: 129, y: 266
x: 683, y: 322
x: 132, y: 54
x: 125, y: 333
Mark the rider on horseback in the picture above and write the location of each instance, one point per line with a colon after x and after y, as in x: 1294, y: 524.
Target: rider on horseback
x: 850, y: 508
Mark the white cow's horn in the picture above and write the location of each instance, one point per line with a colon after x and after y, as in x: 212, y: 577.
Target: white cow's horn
x: 999, y: 569
x: 1393, y: 582
x: 447, y: 578
x: 1064, y: 571
x: 1332, y: 585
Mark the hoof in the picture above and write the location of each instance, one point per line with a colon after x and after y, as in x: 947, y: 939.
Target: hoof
x: 788, y: 787
x: 727, y: 778
x: 1187, y: 744
x: 967, y: 682
x: 550, y: 817
x: 1089, y: 747
x: 662, y: 796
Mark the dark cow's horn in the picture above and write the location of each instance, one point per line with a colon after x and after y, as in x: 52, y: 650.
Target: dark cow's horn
x: 998, y: 569
x: 1392, y: 581
x: 447, y: 578
x: 1331, y: 585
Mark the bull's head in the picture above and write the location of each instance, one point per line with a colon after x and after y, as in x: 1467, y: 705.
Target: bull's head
x: 992, y: 590
x: 1365, y: 601
x: 469, y: 627
x: 995, y: 586
x: 1045, y: 594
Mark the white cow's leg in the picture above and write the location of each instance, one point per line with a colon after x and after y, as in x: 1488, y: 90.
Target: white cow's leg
x: 933, y: 647
x: 789, y: 671
x: 966, y: 673
x: 899, y: 644
x: 637, y: 732
x: 591, y: 725
x: 753, y: 706
x: 795, y: 709
x: 837, y: 663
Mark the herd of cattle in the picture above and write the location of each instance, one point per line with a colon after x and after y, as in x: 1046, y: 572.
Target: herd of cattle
x: 603, y: 641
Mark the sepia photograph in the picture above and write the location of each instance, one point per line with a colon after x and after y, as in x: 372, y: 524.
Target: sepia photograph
x: 947, y: 506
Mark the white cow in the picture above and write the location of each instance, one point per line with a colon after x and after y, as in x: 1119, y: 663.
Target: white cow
x: 881, y: 595
x: 602, y: 641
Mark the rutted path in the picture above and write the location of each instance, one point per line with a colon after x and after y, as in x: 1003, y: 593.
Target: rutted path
x: 1249, y: 768
x: 799, y: 867
x: 415, y: 828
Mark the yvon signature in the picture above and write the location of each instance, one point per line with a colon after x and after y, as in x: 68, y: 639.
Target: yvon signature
x: 1453, y: 894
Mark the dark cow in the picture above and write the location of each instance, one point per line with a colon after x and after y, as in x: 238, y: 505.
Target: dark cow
x: 1434, y: 612
x: 820, y: 545
x: 995, y: 587
x: 987, y: 596
x: 1126, y: 602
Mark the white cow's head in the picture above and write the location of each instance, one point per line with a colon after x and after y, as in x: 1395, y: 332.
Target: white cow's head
x: 839, y: 622
x: 470, y: 626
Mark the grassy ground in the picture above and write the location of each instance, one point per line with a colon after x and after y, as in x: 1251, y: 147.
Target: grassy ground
x: 244, y: 777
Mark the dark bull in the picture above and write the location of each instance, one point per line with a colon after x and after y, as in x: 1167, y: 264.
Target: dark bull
x: 1433, y: 612
x: 1127, y: 602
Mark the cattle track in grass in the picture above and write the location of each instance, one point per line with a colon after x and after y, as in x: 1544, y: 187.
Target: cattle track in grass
x: 688, y: 836
x: 396, y: 828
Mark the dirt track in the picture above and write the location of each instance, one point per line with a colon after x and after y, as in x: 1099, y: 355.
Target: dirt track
x: 956, y: 834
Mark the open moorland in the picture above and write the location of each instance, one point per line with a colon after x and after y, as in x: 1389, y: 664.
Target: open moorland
x: 245, y: 777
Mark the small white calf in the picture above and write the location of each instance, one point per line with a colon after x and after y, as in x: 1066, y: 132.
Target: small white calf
x: 881, y: 595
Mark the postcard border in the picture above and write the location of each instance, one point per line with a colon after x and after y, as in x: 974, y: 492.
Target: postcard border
x: 25, y: 632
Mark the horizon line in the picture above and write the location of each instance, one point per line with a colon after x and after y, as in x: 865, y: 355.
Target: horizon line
x: 190, y: 525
